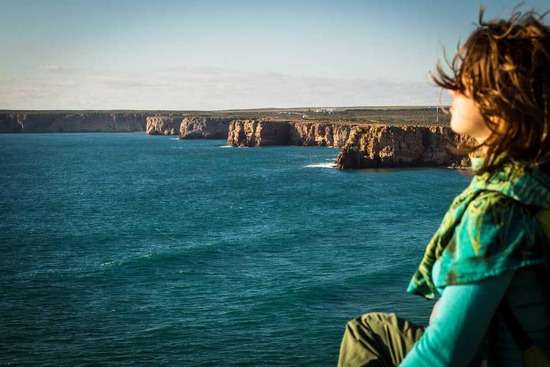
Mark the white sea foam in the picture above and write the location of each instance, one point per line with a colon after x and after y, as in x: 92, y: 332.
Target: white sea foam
x: 174, y: 138
x: 225, y: 146
x: 321, y: 165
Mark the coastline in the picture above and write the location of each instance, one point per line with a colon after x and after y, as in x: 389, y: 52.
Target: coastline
x: 391, y: 137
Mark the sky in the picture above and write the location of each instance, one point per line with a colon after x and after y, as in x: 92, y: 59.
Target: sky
x: 214, y: 55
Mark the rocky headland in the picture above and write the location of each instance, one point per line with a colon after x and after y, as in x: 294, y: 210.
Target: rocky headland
x: 363, y: 145
x: 383, y: 146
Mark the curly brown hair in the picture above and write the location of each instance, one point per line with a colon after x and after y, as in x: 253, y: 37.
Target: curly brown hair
x: 504, y: 65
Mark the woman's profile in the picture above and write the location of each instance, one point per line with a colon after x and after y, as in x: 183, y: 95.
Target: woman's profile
x: 488, y: 262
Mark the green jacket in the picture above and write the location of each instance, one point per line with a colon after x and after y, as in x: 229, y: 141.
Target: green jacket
x: 489, y: 228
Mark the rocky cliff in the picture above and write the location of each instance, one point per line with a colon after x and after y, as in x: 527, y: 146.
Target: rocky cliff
x: 9, y: 123
x: 252, y: 133
x: 376, y: 146
x: 162, y: 124
x: 363, y: 145
x: 319, y: 133
x: 265, y: 132
x: 64, y: 121
x: 200, y: 127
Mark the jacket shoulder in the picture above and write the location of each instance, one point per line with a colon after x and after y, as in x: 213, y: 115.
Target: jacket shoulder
x: 496, y: 233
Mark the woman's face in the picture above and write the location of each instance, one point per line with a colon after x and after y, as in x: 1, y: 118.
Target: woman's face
x: 466, y: 118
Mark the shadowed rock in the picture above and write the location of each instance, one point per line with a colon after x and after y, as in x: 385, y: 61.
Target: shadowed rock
x: 88, y: 121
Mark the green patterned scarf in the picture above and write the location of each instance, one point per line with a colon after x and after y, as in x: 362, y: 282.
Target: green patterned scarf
x: 488, y: 229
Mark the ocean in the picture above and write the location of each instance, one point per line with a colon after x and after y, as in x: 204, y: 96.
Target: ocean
x: 127, y: 249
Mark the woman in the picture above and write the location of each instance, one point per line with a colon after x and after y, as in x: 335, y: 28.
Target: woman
x: 488, y: 260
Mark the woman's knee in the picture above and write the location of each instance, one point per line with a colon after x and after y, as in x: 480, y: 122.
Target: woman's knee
x: 367, y: 324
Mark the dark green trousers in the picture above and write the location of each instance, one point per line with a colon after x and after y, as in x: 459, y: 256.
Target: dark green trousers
x: 377, y: 340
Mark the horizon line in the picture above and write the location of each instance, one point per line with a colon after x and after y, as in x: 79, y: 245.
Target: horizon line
x: 230, y: 109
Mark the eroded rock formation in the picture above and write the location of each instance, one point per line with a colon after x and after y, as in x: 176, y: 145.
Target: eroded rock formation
x: 253, y: 133
x: 199, y: 127
x: 374, y: 146
x: 318, y: 133
x: 162, y: 125
x: 363, y: 145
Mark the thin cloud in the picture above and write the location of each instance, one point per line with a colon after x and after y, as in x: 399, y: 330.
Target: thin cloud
x: 200, y: 87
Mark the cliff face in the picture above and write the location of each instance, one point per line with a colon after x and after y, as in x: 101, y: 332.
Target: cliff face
x: 376, y: 146
x: 363, y: 145
x: 252, y: 133
x: 162, y: 125
x: 153, y: 123
x: 264, y: 132
x: 198, y: 127
x: 9, y: 123
x: 316, y: 133
x: 71, y: 122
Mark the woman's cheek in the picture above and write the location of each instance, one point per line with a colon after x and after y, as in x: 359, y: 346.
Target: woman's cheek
x: 465, y: 118
x: 459, y: 122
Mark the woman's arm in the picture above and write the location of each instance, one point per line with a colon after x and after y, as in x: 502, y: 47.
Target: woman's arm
x: 462, y: 319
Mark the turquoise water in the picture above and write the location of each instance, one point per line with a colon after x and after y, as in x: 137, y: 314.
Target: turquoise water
x: 128, y: 249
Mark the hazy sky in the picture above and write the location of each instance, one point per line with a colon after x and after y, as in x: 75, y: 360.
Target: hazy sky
x: 228, y: 54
